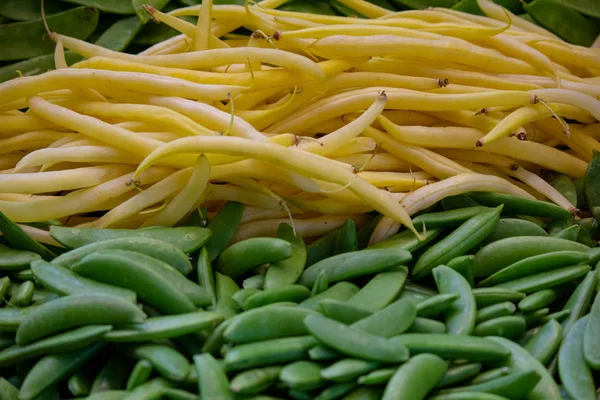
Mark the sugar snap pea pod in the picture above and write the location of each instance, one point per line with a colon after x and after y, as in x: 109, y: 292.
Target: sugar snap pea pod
x: 363, y: 235
x: 377, y: 377
x: 187, y: 238
x: 28, y: 39
x: 108, y: 395
x: 498, y: 255
x: 340, y: 291
x: 509, y: 326
x: 22, y: 275
x: 139, y: 273
x: 159, y: 249
x: 542, y: 298
x: 536, y: 317
x: 268, y: 352
x: 206, y: 277
x: 459, y: 373
x: 427, y: 325
x: 521, y: 360
x: 407, y: 240
x: 16, y: 236
x: 591, y: 341
x: 40, y: 295
x: 412, y: 296
x: 449, y: 218
x: 464, y: 266
x: 10, y: 318
x: 389, y: 321
x: 70, y: 340
x: 591, y: 182
x: 34, y: 65
x: 490, y: 375
x: 487, y: 296
x: 460, y: 316
x: 342, y: 311
x: 212, y: 381
x: 76, y: 310
x: 23, y: 296
x: 240, y: 296
x: 7, y: 390
x: 64, y: 282
x: 453, y: 346
x: 418, y: 288
x: 167, y: 361
x: 355, y: 264
x: 520, y: 205
x: 494, y: 311
x: 226, y: 288
x: 586, y: 238
x: 254, y: 381
x: 558, y: 315
x: 256, y: 281
x: 345, y: 240
x: 321, y: 248
x: 108, y: 6
x: 11, y: 259
x: 321, y: 284
x: 458, y: 201
x: 364, y: 393
x: 348, y: 369
x: 244, y: 256
x: 321, y: 352
x: 287, y: 271
x: 426, y: 369
x: 509, y: 227
x: 25, y: 10
x: 6, y: 340
x: 4, y: 287
x: 151, y: 390
x: 112, y: 376
x: 545, y: 280
x: 164, y: 327
x: 515, y: 385
x: 460, y: 241
x: 546, y: 341
x: 435, y: 305
x: 565, y: 186
x: 292, y: 293
x: 336, y: 391
x: 139, y: 374
x: 78, y: 385
x: 52, y: 368
x: 381, y: 290
x: 467, y: 395
x: 536, y: 264
x: 574, y: 373
x: 570, y: 233
x: 354, y: 342
x: 120, y: 34
x: 179, y: 394
x: 579, y: 302
x: 302, y: 375
x: 223, y: 227
x: 215, y: 341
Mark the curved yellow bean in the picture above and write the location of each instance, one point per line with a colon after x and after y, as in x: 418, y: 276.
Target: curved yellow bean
x: 89, y: 154
x: 378, y: 162
x: 29, y: 141
x: 11, y: 124
x: 499, y: 13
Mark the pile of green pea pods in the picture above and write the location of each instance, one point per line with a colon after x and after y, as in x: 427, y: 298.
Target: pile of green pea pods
x: 499, y: 300
x: 26, y: 49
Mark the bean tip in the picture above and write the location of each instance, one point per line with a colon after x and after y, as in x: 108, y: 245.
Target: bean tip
x: 478, y: 143
x: 522, y: 135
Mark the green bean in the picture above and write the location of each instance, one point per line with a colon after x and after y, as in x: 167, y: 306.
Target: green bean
x: 510, y: 326
x: 541, y: 299
x: 427, y: 325
x: 495, y: 310
x: 346, y: 240
x: 166, y: 361
x: 288, y: 270
x: 520, y: 205
x: 336, y: 391
x: 140, y: 273
x: 212, y: 381
x: 460, y: 316
x: 348, y: 369
x: 546, y: 341
x: 268, y: 352
x: 16, y: 236
x: 11, y: 259
x: 510, y: 227
x: 256, y: 281
x: 159, y: 249
x: 165, y: 327
x: 223, y: 227
x: 187, y: 238
x: 490, y: 375
x: 389, y: 321
x: 254, y: 381
x: 354, y: 342
x: 407, y: 240
x: 534, y: 265
x: 139, y: 374
x: 464, y: 266
x: 426, y: 369
x: 70, y: 340
x: 459, y: 373
x: 340, y: 291
x: 342, y: 311
x: 381, y: 290
x: 52, y: 368
x: 64, y: 282
x: 292, y: 293
x: 579, y: 302
x: 536, y: 317
x: 302, y: 375
x: 575, y: 375
x: 354, y: 264
x: 112, y: 376
x: 453, y: 346
x: 545, y: 280
x: 321, y: 284
x: 464, y: 238
x: 521, y: 360
x: 498, y: 255
x: 76, y: 310
x: 226, y: 288
x: 242, y: 257
x: 449, y: 218
x: 494, y: 295
x: 23, y: 296
x: 515, y: 385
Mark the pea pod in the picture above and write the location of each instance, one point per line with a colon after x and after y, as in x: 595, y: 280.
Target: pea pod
x: 256, y: 282
x: 343, y: 312
x: 291, y: 293
x: 575, y: 375
x: 459, y: 200
x: 112, y: 376
x: 464, y: 266
x: 354, y: 264
x: 363, y: 235
x: 16, y: 236
x: 546, y: 341
x: 433, y: 306
x: 389, y: 321
x: 381, y: 290
x: 536, y: 318
x: 268, y: 352
x: 287, y: 271
x: 566, y: 187
x: 75, y: 310
x: 464, y: 238
x: 516, y: 385
x: 302, y: 376
x: 139, y: 374
x: 212, y: 381
x: 509, y: 326
x: 346, y: 240
x: 167, y: 361
x: 498, y: 255
x: 494, y: 311
x: 427, y: 369
x: 242, y: 257
x: 108, y: 6
x: 545, y: 280
x: 322, y: 352
x: 541, y: 299
x: 364, y: 393
x: 23, y: 296
x: 490, y: 375
x: 187, y: 238
x: 223, y: 227
x: 591, y: 342
x: 151, y: 247
x: 70, y: 340
x: 570, y: 233
x: 153, y: 389
x: 494, y: 295
x: 25, y: 10
x: 467, y: 395
x: 453, y: 346
x: 120, y: 34
x: 321, y: 284
x: 4, y: 287
x: 254, y: 381
x: 11, y: 259
x: 459, y: 373
x: 34, y: 65
x: 509, y: 227
x: 519, y: 205
x: 460, y: 316
x: 407, y: 240
x: 321, y: 248
x: 28, y: 39
x: 139, y: 273
x: 534, y: 265
x: 240, y: 296
x: 449, y: 218
x: 354, y: 342
x: 427, y: 325
x: 78, y: 385
x: 226, y: 289
x: 8, y: 391
x: 377, y: 377
x: 579, y: 302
